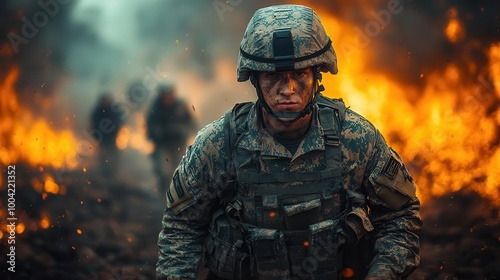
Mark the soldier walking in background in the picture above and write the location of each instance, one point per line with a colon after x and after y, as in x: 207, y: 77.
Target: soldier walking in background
x: 105, y: 124
x: 170, y: 123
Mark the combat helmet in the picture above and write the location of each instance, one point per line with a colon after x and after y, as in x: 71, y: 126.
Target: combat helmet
x: 283, y: 38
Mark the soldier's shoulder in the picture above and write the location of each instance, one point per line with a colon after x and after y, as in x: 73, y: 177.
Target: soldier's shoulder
x: 211, y: 133
x: 357, y: 126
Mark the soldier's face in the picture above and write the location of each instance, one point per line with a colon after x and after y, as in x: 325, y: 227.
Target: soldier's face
x: 288, y: 91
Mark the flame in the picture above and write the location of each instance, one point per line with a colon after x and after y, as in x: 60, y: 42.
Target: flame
x: 447, y: 142
x: 454, y: 30
x: 50, y: 186
x: 25, y: 138
x: 135, y: 137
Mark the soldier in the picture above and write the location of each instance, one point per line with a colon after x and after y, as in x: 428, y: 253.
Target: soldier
x: 106, y: 123
x: 169, y: 123
x: 286, y: 187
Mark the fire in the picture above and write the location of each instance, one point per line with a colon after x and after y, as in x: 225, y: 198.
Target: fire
x: 135, y: 138
x: 446, y: 136
x: 52, y: 187
x: 454, y: 30
x: 25, y: 138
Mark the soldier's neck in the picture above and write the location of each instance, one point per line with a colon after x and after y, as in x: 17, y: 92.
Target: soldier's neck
x: 294, y: 130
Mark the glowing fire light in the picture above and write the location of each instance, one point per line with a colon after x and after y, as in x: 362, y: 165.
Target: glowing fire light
x: 20, y: 228
x: 347, y: 272
x: 454, y: 30
x: 44, y: 222
x: 135, y: 138
x: 447, y: 142
x: 24, y: 138
x: 50, y: 186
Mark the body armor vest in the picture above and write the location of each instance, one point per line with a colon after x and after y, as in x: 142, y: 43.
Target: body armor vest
x: 281, y: 225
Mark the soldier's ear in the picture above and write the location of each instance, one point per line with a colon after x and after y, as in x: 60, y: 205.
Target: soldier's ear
x: 253, y: 79
x: 317, y: 80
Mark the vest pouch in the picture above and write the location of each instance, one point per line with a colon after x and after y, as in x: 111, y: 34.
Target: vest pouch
x: 269, y: 252
x: 300, y: 216
x: 358, y: 224
x: 225, y: 253
x: 323, y: 250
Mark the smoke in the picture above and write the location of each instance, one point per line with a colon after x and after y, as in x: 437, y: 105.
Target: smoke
x: 413, y: 41
x: 96, y: 46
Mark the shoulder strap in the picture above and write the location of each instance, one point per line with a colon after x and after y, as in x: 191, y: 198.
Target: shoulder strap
x: 336, y: 103
x: 331, y: 117
x: 234, y: 125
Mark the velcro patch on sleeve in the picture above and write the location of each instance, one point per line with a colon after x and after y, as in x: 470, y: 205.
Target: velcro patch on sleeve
x: 178, y: 196
x: 392, y: 167
x: 392, y: 183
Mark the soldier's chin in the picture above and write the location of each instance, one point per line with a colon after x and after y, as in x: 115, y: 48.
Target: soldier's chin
x: 286, y: 115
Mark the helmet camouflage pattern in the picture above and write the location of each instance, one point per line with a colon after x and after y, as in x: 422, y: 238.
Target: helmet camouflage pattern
x: 283, y: 38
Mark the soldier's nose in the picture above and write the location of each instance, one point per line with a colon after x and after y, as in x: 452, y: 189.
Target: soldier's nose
x: 288, y: 86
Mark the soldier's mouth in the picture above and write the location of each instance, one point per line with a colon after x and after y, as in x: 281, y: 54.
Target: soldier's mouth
x: 288, y: 106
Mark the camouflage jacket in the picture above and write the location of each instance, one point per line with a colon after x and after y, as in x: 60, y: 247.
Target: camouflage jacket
x: 369, y: 167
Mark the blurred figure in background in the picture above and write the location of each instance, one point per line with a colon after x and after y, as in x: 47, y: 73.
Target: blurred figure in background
x: 170, y: 124
x: 105, y: 124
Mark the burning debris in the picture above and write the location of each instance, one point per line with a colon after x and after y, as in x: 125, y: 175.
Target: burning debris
x: 89, y: 229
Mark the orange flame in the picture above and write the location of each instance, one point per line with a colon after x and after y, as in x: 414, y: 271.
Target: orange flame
x: 454, y: 30
x: 24, y: 138
x: 135, y: 137
x: 448, y: 143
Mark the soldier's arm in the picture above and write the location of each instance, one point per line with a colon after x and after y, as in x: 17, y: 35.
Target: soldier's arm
x: 394, y: 210
x: 191, y: 198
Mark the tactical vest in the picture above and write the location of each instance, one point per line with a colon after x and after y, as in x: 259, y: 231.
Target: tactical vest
x: 281, y: 225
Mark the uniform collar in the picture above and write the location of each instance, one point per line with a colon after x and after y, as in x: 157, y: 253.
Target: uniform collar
x: 255, y: 138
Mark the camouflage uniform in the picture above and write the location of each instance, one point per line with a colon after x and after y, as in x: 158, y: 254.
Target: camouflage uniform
x: 200, y: 176
x: 371, y: 172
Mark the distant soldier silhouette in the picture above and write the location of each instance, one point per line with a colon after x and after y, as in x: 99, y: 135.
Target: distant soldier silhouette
x: 105, y: 126
x: 170, y: 123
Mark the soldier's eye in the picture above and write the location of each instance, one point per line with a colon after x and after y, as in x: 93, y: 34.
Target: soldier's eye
x: 299, y: 74
x: 272, y: 76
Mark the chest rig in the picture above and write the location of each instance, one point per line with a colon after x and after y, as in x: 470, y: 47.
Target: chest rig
x: 280, y: 224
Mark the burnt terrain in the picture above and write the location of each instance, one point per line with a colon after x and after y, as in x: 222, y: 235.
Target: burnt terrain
x: 105, y: 229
